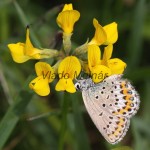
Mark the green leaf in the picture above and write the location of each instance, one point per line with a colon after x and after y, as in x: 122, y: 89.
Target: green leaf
x: 12, y: 115
x: 63, y: 121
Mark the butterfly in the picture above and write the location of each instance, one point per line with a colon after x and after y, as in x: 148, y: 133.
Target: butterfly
x: 110, y: 104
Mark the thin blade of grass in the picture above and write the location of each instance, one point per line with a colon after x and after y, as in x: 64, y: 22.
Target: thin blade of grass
x: 4, y: 2
x: 48, y: 114
x: 80, y: 131
x: 63, y: 121
x: 5, y: 86
x: 13, y: 114
x: 54, y: 120
x: 135, y: 39
x: 146, y: 110
x: 25, y: 22
x: 139, y: 140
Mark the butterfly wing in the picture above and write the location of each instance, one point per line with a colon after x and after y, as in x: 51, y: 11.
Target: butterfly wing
x: 100, y: 104
x: 112, y: 127
x: 123, y: 98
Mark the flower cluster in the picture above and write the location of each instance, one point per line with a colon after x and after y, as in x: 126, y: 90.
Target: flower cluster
x: 69, y: 65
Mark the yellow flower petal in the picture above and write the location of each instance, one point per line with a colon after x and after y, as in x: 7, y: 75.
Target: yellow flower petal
x: 67, y: 18
x: 45, y: 70
x: 29, y: 49
x: 94, y: 55
x: 40, y: 86
x: 107, y: 54
x: 67, y: 7
x: 28, y: 45
x: 112, y: 33
x: 100, y: 35
x: 69, y: 67
x: 99, y: 73
x: 36, y: 54
x: 17, y: 52
x: 22, y: 52
x: 116, y: 65
x: 65, y: 85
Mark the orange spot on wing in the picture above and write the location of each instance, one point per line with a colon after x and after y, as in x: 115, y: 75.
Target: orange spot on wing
x: 119, y: 127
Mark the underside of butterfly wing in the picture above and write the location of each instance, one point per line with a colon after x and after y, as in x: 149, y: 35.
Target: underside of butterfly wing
x: 112, y: 127
x: 123, y: 98
x: 110, y: 105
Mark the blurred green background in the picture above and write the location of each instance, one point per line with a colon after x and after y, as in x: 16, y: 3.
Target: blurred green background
x: 60, y: 121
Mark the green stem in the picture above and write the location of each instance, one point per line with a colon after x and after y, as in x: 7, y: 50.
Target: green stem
x: 67, y: 42
x: 81, y: 49
x: 80, y: 132
x: 49, y: 53
x: 63, y: 121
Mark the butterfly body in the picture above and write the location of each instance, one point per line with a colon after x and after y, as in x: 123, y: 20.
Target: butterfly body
x: 110, y: 105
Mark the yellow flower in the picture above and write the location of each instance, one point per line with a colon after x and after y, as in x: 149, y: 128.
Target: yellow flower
x: 107, y: 54
x: 21, y: 52
x: 98, y: 71
x: 67, y: 18
x: 116, y: 65
x: 68, y: 70
x: 104, y: 35
x: 111, y: 32
x: 87, y: 56
x: 45, y: 75
x: 17, y: 52
x: 67, y: 7
x: 100, y: 35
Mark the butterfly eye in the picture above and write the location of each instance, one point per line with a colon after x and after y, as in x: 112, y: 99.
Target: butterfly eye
x: 78, y: 87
